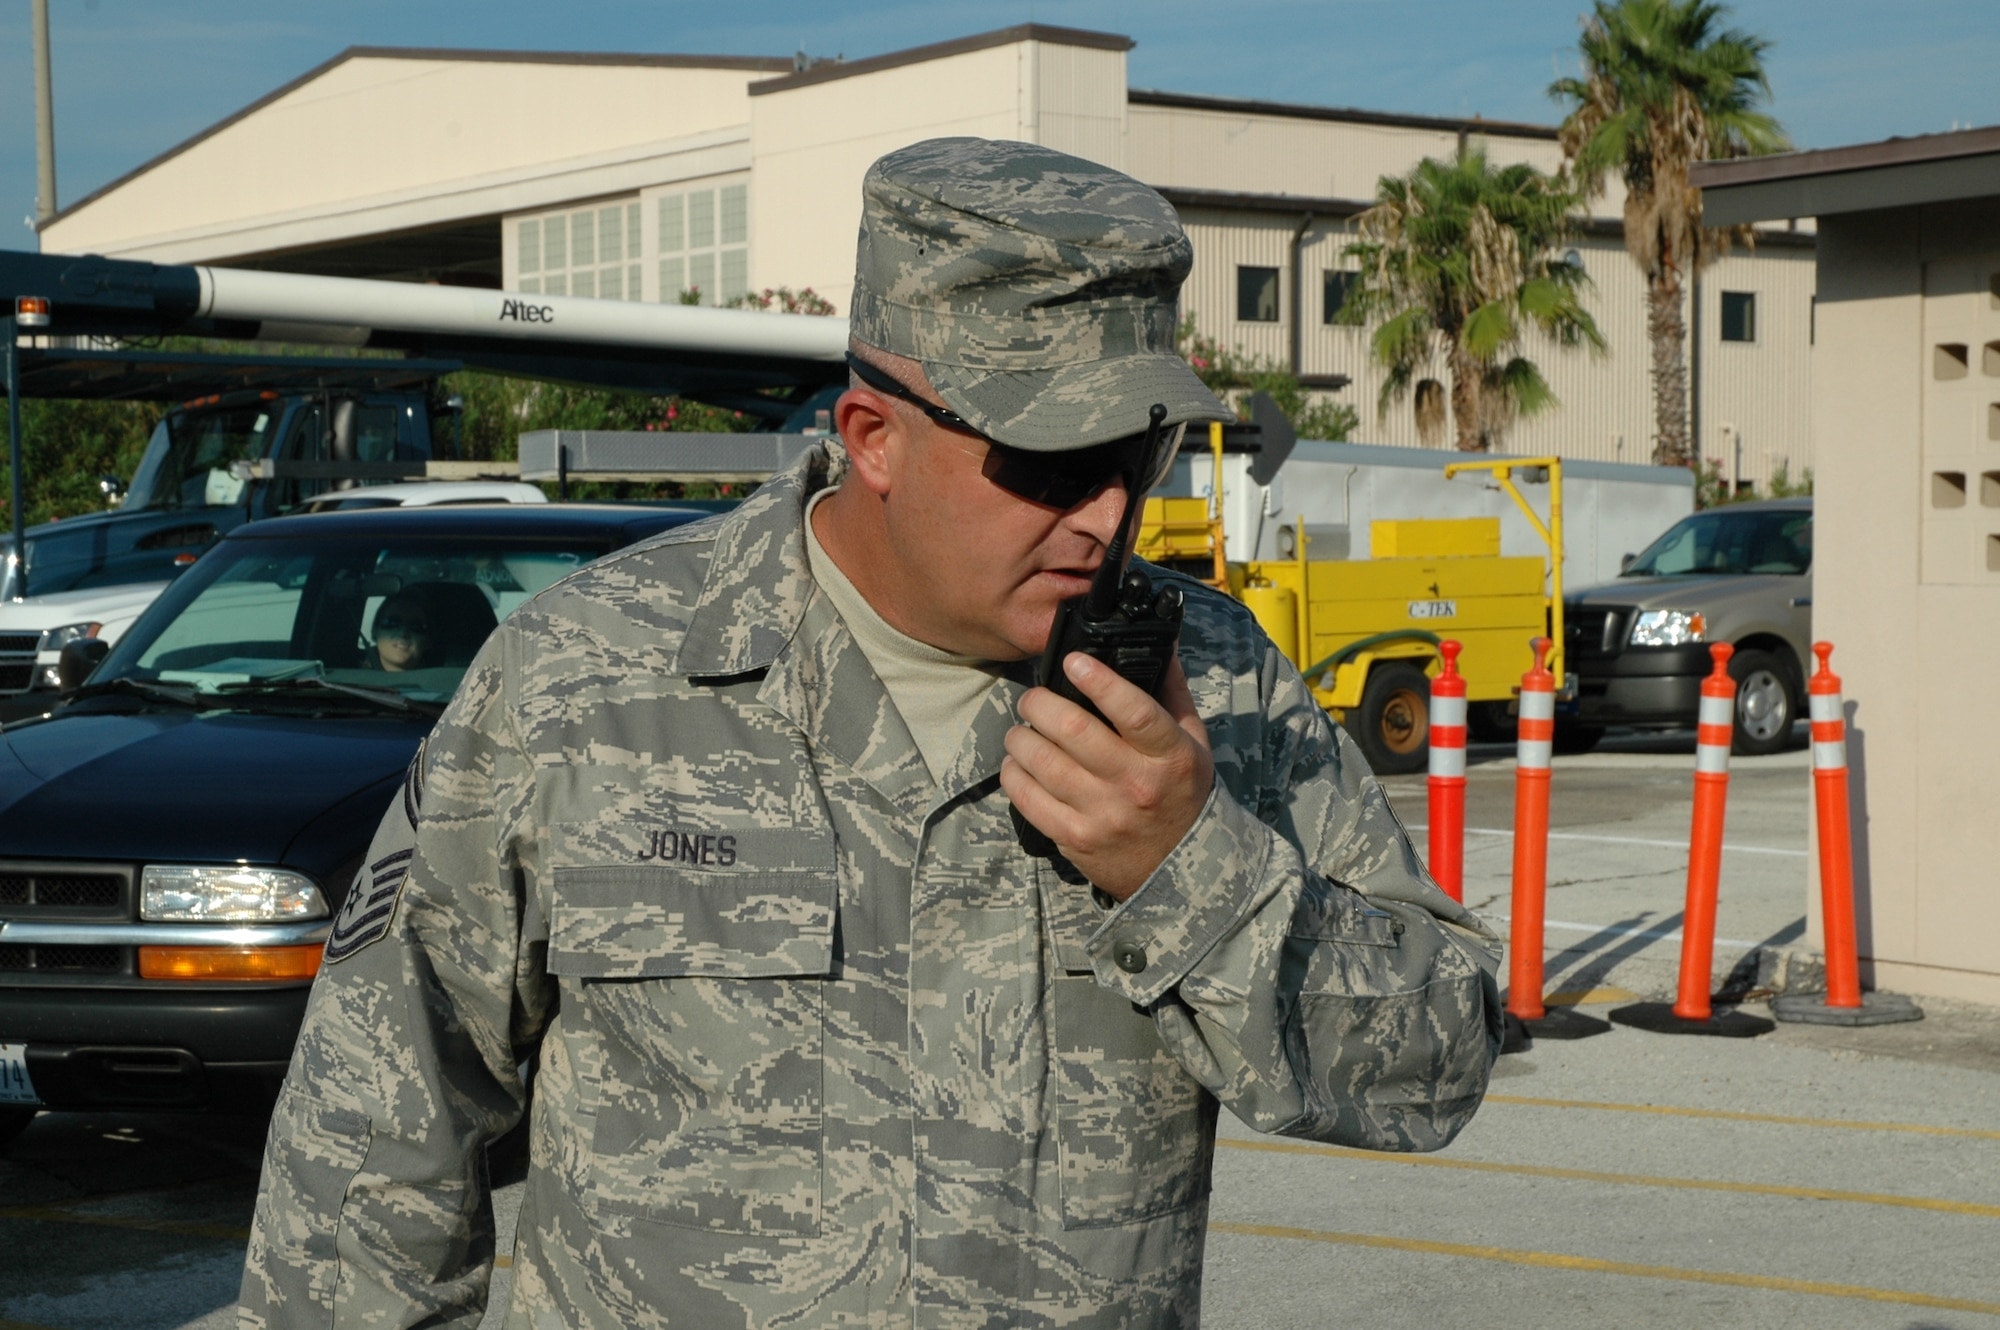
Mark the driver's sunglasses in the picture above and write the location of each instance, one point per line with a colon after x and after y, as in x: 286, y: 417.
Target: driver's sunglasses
x: 414, y: 627
x: 1058, y: 480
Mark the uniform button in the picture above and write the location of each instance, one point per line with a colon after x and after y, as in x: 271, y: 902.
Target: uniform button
x: 1130, y: 956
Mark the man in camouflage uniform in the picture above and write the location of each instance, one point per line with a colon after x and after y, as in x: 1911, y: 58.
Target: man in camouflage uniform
x: 721, y: 826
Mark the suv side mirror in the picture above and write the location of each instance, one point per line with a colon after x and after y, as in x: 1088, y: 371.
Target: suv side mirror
x: 78, y: 659
x: 1625, y: 561
x: 112, y: 488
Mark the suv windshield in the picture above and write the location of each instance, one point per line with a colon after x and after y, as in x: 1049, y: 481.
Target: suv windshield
x: 271, y: 616
x: 186, y: 463
x: 1719, y: 541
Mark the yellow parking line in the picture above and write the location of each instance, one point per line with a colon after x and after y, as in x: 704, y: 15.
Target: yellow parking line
x: 1591, y: 1265
x: 1849, y: 1124
x: 50, y: 1214
x: 1628, y: 1179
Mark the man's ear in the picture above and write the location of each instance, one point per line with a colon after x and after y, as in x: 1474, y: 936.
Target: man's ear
x: 870, y: 429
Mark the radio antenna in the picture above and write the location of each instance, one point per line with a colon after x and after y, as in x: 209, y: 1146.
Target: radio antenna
x: 1105, y: 587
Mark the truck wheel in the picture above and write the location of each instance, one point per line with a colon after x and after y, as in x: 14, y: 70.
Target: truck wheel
x: 1393, y: 722
x: 13, y: 1121
x: 1490, y: 723
x: 1765, y: 704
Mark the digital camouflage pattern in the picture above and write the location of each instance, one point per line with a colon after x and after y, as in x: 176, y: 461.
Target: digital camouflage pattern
x: 819, y: 1044
x: 1039, y: 290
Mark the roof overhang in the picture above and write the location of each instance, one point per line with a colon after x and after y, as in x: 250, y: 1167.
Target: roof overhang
x: 1895, y: 173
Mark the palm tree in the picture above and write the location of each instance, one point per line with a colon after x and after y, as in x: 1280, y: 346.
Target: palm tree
x: 1663, y: 87
x: 1459, y: 258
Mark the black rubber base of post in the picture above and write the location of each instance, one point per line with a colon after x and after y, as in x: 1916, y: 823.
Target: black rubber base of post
x: 1555, y: 1023
x: 1659, y: 1018
x: 1875, y: 1009
x: 1566, y: 1023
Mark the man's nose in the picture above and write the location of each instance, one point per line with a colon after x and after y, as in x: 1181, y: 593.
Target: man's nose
x: 1100, y: 514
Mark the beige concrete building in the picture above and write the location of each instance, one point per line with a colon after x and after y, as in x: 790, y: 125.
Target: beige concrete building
x: 1906, y: 410
x: 640, y: 177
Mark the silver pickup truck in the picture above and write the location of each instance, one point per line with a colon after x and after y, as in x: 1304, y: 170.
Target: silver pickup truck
x: 1638, y: 646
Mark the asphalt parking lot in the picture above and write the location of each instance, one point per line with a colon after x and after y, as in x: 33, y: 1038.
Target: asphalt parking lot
x: 1813, y: 1176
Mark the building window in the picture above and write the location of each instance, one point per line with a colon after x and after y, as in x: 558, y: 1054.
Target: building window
x: 1739, y: 316
x: 705, y: 244
x: 1335, y: 285
x: 1257, y: 295
x: 587, y: 252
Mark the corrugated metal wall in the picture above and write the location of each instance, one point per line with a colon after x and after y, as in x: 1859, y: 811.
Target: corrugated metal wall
x: 1075, y: 100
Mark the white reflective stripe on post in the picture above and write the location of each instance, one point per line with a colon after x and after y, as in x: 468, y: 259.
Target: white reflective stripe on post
x: 1537, y: 705
x: 1712, y: 758
x: 1447, y: 761
x: 1534, y: 753
x: 1824, y: 707
x: 1447, y: 710
x: 1718, y: 710
x: 1829, y: 756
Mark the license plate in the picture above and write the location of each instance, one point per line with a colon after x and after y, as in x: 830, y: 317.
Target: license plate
x: 1433, y: 609
x: 15, y: 1087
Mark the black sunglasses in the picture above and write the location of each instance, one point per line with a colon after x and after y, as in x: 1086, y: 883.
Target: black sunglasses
x: 393, y: 625
x: 1058, y: 480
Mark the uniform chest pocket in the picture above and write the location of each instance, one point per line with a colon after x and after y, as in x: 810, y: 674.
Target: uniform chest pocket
x: 704, y: 988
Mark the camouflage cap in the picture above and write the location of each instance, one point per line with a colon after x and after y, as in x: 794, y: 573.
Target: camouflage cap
x: 1038, y: 290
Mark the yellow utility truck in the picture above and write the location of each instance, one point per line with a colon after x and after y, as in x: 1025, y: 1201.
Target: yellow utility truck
x: 1364, y: 632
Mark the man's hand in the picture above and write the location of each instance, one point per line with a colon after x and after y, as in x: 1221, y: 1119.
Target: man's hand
x: 1116, y: 802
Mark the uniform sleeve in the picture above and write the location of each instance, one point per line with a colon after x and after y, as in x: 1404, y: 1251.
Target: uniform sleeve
x: 1297, y: 958
x: 373, y: 1208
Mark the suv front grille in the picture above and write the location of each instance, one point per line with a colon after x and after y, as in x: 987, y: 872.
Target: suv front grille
x: 17, y: 661
x: 16, y: 958
x: 45, y: 890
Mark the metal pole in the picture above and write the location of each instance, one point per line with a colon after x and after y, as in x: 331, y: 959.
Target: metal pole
x: 45, y: 119
x: 14, y: 459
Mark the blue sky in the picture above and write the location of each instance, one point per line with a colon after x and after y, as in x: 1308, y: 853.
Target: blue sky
x: 134, y: 77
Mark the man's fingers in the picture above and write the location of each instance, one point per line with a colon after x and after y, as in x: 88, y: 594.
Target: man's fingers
x: 1133, y: 713
x: 1050, y: 765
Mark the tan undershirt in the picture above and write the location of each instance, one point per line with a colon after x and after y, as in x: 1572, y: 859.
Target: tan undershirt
x: 938, y: 694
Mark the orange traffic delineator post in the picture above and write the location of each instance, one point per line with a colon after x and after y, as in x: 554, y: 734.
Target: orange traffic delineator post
x: 1843, y: 1002
x: 1447, y: 783
x: 1691, y: 1012
x: 1530, y: 1018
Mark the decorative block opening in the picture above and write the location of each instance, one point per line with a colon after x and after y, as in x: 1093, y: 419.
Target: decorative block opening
x: 1947, y: 489
x: 1950, y: 360
x: 1993, y: 422
x: 1993, y: 554
x: 1993, y: 291
x: 1989, y: 360
x: 1989, y: 490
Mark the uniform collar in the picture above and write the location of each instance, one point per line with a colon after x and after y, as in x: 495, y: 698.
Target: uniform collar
x: 759, y: 582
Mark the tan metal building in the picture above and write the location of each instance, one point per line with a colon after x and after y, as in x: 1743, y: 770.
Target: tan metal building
x: 640, y: 177
x: 1906, y: 409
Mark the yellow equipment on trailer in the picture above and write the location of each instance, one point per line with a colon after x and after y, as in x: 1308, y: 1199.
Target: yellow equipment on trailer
x: 1364, y: 632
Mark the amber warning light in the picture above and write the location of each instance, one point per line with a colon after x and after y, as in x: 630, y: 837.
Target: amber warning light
x: 31, y: 311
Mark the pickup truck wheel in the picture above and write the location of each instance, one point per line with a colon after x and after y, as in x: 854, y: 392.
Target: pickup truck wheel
x: 1765, y: 704
x: 1573, y: 740
x: 14, y: 1121
x: 1392, y: 725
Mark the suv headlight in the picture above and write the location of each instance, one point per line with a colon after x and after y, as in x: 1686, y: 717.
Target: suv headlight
x: 1668, y: 628
x: 55, y: 639
x: 198, y: 894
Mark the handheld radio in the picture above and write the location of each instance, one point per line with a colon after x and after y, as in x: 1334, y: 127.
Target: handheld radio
x: 1121, y: 621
